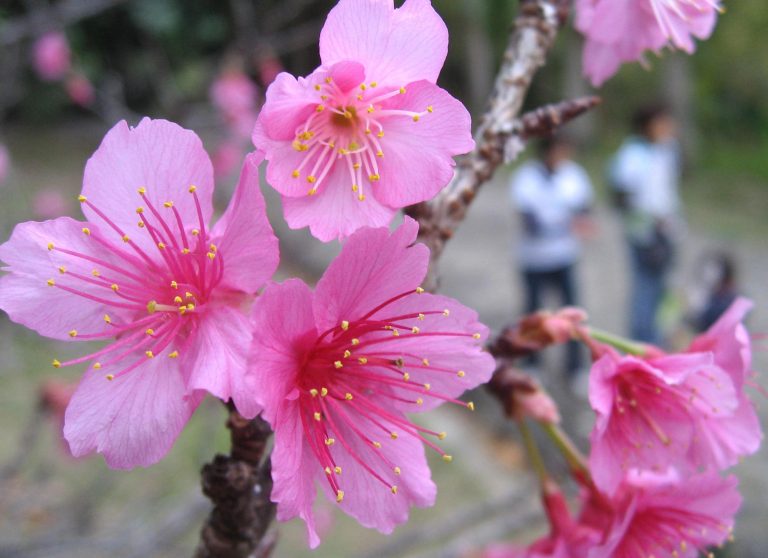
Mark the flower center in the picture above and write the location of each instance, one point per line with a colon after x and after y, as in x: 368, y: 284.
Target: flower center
x: 356, y: 379
x: 155, y: 297
x: 346, y: 128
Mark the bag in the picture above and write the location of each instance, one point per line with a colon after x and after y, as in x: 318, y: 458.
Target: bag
x: 657, y: 252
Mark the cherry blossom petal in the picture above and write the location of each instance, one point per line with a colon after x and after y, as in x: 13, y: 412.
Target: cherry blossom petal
x: 395, y: 45
x: 244, y: 235
x: 25, y: 293
x: 132, y: 420
x: 157, y: 155
x: 418, y: 156
x: 335, y: 211
x: 360, y: 278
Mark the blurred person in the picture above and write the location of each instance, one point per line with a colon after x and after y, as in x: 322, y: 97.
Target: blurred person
x: 552, y: 195
x: 644, y: 176
x: 717, y: 289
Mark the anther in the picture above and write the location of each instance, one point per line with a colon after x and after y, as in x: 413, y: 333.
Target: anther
x: 142, y: 190
x: 355, y: 341
x: 362, y: 360
x: 139, y: 210
x: 393, y: 435
x: 311, y: 179
x: 374, y: 178
x: 62, y: 269
x: 320, y: 108
x: 323, y: 392
x: 406, y: 376
x: 56, y: 363
x: 379, y: 153
x: 338, y: 364
x: 51, y: 282
x: 377, y: 445
x: 149, y: 354
x: 427, y: 387
x: 110, y: 377
x: 344, y: 325
x: 430, y: 108
x: 150, y: 331
x: 339, y: 496
x: 115, y: 287
x: 402, y: 90
x: 396, y: 470
x: 295, y: 174
x: 348, y: 397
x: 447, y: 458
x: 380, y: 134
x: 96, y: 273
x: 317, y: 416
x: 174, y: 285
x: 347, y: 354
x: 476, y: 336
x: 361, y: 197
x: 442, y: 435
x: 328, y: 471
x: 195, y: 232
x: 192, y: 189
x: 73, y: 333
x: 168, y: 204
x: 82, y: 199
x: 126, y: 238
x: 394, y: 489
x: 107, y: 319
x: 416, y: 117
x: 329, y: 441
x: 471, y: 406
x: 96, y: 365
x: 337, y: 470
x: 374, y: 84
x: 174, y: 354
x: 425, y: 361
x: 86, y: 231
x: 50, y: 246
x: 419, y: 290
x: 461, y: 373
x: 419, y: 401
x: 313, y: 392
x: 151, y: 306
x: 211, y: 255
x: 317, y: 87
x: 446, y: 312
x: 161, y: 245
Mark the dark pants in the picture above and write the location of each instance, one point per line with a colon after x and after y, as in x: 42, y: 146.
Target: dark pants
x: 561, y: 282
x: 648, y: 288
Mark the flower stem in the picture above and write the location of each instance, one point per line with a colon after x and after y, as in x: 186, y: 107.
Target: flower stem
x: 617, y: 342
x: 576, y: 460
x: 537, y: 462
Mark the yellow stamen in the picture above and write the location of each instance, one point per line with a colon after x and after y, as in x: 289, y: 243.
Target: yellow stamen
x: 192, y: 189
x: 344, y: 325
x: 338, y: 364
x: 86, y: 231
x: 168, y: 204
x: 56, y: 363
x: 174, y: 354
x: 73, y: 333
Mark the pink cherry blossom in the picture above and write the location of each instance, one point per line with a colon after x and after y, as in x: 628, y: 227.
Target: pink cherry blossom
x: 80, y: 90
x: 652, y: 415
x: 729, y: 341
x: 51, y: 56
x: 235, y: 96
x: 666, y: 517
x: 619, y: 31
x: 368, y: 132
x: 147, y: 274
x: 48, y: 203
x: 337, y: 368
x: 5, y: 164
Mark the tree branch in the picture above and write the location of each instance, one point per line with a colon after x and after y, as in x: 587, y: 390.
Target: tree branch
x: 239, y: 485
x: 534, y: 32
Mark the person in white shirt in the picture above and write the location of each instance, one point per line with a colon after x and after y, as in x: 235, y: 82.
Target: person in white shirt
x: 552, y: 195
x: 644, y: 175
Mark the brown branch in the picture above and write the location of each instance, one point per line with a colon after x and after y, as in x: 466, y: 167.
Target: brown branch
x: 239, y: 485
x: 534, y: 32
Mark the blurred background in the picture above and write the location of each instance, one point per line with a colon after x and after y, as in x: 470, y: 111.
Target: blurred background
x: 69, y: 69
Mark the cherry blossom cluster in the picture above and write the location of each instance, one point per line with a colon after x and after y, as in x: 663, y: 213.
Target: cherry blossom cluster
x: 618, y: 31
x: 181, y: 306
x: 667, y: 427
